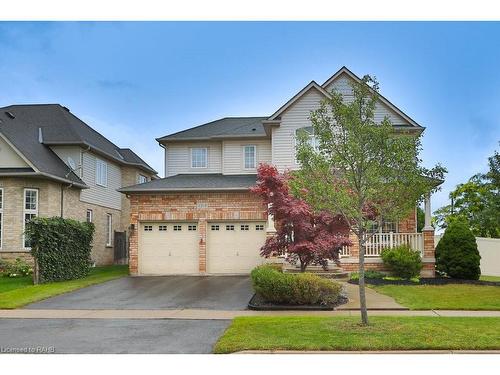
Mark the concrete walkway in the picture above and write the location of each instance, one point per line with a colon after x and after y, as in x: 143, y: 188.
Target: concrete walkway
x: 194, y: 314
x: 374, y: 300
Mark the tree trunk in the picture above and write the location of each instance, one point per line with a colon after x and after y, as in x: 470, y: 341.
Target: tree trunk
x: 303, y: 266
x: 362, y: 294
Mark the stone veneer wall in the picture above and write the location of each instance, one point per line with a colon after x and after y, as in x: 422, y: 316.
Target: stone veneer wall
x: 200, y: 207
x: 49, y: 204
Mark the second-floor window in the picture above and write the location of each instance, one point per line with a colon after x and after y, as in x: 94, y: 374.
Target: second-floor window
x: 142, y: 179
x: 250, y: 152
x: 199, y: 157
x: 101, y: 172
x: 312, y: 140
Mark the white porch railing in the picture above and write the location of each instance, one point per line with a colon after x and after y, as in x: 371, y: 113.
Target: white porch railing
x: 379, y: 241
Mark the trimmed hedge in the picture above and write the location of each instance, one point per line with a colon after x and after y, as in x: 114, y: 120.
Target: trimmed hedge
x: 457, y: 255
x: 61, y: 248
x: 295, y: 289
x: 403, y: 261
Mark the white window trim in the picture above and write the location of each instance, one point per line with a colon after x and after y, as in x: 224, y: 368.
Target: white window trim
x: 191, y: 157
x: 109, y: 230
x: 91, y: 215
x: 254, y: 157
x: 28, y: 211
x: 97, y: 171
x: 141, y: 176
x: 1, y: 216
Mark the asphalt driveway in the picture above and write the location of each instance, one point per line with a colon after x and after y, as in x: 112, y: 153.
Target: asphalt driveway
x: 158, y: 292
x: 109, y: 336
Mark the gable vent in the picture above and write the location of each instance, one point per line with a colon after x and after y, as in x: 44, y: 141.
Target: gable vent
x: 10, y: 115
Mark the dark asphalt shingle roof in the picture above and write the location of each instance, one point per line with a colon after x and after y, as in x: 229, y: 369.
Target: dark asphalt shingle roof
x: 195, y: 182
x: 58, y: 127
x: 222, y: 128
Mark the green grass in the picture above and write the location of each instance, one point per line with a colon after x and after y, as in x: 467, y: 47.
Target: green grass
x: 10, y: 283
x: 14, y: 295
x: 489, y: 278
x: 345, y: 333
x: 444, y: 297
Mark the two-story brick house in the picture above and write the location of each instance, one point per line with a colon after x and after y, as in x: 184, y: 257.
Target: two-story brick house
x: 202, y: 219
x: 53, y: 164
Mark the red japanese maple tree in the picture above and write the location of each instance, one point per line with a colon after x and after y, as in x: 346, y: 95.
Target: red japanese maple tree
x: 301, y: 234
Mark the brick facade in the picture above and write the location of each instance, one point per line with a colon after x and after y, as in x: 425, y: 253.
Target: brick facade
x: 49, y: 205
x: 205, y: 206
x: 200, y: 207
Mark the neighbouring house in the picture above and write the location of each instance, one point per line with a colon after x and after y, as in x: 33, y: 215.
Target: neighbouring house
x: 202, y: 219
x: 54, y: 164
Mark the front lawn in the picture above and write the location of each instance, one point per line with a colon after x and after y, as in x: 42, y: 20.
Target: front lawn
x: 489, y: 278
x: 345, y: 333
x: 16, y: 293
x: 443, y: 297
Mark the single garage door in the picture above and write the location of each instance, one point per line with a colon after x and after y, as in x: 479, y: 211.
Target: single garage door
x: 234, y: 247
x: 167, y: 248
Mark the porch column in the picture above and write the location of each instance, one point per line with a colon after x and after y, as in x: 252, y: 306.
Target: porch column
x: 271, y: 229
x: 428, y: 258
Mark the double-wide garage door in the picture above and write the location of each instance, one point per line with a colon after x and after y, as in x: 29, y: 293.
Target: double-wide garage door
x: 167, y: 248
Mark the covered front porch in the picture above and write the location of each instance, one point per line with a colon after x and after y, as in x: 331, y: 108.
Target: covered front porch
x: 405, y: 233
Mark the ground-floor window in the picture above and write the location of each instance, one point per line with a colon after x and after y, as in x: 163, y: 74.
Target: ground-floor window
x: 109, y: 229
x: 90, y: 215
x: 30, y: 211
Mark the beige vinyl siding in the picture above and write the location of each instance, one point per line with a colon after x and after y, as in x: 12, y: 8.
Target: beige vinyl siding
x: 295, y: 117
x: 9, y: 158
x: 342, y: 85
x: 234, y: 155
x: 74, y: 152
x: 178, y: 158
x: 106, y: 196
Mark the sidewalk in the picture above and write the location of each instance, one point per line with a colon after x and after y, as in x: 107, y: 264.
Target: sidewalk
x: 219, y: 314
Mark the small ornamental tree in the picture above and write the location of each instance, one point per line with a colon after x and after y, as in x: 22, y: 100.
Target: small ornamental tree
x: 457, y: 255
x: 301, y: 234
x: 360, y: 169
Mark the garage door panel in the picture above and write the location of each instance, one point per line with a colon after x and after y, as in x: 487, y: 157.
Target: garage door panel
x: 234, y: 247
x: 168, y: 248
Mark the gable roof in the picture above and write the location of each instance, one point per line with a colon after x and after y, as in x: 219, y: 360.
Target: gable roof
x: 283, y: 108
x: 29, y: 129
x: 383, y: 99
x: 226, y: 127
x: 195, y: 182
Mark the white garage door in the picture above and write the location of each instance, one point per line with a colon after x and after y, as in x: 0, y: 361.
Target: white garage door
x: 234, y: 247
x: 168, y: 248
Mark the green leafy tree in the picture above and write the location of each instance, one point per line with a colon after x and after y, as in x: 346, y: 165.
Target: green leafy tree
x: 457, y: 255
x: 477, y: 202
x: 360, y: 169
x: 420, y: 219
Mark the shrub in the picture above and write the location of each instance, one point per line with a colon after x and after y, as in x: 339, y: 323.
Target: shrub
x: 369, y: 274
x: 402, y: 261
x: 456, y: 253
x: 61, y: 247
x: 296, y: 289
x: 18, y: 268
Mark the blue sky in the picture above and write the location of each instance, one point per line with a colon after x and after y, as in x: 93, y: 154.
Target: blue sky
x: 136, y: 81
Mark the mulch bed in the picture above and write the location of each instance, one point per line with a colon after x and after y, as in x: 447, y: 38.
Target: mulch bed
x: 426, y: 281
x: 258, y: 303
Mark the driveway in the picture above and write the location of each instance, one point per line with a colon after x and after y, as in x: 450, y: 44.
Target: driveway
x: 110, y: 336
x: 158, y: 292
